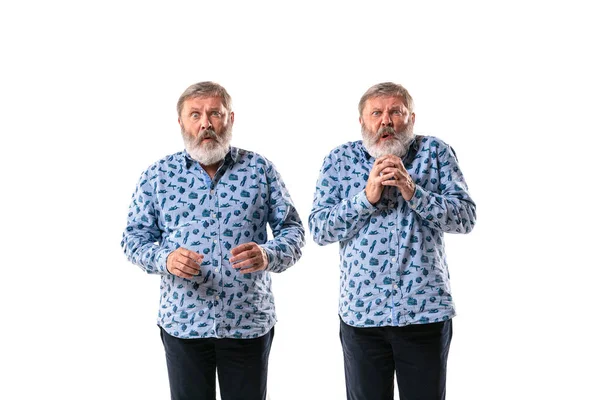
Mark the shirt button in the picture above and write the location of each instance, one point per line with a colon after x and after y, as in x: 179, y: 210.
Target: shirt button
x: 395, y: 286
x: 215, y: 241
x: 394, y: 259
x: 214, y: 215
x: 216, y: 269
x: 212, y: 192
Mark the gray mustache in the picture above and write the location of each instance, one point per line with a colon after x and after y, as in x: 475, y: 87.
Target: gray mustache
x: 382, y: 131
x: 208, y: 134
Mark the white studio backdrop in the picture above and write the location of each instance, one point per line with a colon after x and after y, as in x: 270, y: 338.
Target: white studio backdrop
x: 88, y: 93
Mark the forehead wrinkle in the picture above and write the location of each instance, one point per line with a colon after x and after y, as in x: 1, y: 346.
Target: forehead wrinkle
x: 385, y: 99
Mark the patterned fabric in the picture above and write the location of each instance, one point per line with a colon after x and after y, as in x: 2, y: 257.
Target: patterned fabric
x: 393, y: 269
x: 177, y: 204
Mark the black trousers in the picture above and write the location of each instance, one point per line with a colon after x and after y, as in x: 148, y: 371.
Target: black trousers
x: 417, y: 353
x: 242, y: 365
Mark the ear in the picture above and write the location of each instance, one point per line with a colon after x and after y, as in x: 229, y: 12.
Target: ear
x: 360, y: 120
x: 179, y: 122
x: 412, y: 117
x: 231, y: 117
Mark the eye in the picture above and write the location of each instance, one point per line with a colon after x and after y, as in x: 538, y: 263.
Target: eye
x: 376, y: 113
x: 397, y: 112
x: 195, y: 115
x: 215, y: 114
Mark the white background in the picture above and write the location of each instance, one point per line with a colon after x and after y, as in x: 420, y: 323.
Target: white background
x: 88, y: 93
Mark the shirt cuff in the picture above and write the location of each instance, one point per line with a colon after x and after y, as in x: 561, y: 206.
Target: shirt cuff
x: 416, y: 203
x: 161, y: 261
x: 361, y: 205
x: 270, y: 257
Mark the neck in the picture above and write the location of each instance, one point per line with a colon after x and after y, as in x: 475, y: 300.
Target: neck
x: 211, y: 170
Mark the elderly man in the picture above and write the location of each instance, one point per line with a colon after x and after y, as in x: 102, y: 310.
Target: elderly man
x: 388, y: 200
x: 199, y: 218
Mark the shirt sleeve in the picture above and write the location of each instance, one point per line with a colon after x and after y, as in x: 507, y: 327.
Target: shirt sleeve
x: 284, y: 250
x: 451, y: 209
x: 332, y: 217
x: 142, y: 236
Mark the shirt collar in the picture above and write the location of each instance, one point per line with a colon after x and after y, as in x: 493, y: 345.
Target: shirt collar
x: 232, y: 155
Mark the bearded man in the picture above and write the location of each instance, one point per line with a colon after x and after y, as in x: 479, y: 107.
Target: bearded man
x: 388, y: 200
x: 199, y: 219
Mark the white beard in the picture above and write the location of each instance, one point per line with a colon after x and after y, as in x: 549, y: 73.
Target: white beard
x: 397, y: 146
x: 210, y: 153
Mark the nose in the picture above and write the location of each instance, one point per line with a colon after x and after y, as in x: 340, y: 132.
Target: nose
x: 205, y: 123
x: 386, y: 120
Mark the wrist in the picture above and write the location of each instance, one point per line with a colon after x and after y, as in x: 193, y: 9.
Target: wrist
x: 410, y: 189
x: 265, y: 256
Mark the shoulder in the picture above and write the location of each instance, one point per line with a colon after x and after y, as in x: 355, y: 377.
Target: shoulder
x: 250, y: 158
x: 347, y: 149
x: 172, y: 162
x: 175, y: 158
x: 433, y: 145
x: 428, y: 141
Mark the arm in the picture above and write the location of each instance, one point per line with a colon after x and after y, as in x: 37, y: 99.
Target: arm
x: 288, y: 233
x: 142, y: 234
x: 332, y: 217
x: 451, y: 209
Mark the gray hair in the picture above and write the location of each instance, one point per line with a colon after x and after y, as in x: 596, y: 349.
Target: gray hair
x: 386, y: 89
x: 204, y: 89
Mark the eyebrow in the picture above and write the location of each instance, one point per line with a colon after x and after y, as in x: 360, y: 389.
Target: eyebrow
x: 398, y: 108
x: 194, y: 109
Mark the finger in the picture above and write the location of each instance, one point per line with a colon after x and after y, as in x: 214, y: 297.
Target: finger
x: 400, y: 165
x: 377, y: 169
x: 193, y: 261
x: 244, y: 256
x: 182, y: 274
x: 253, y: 252
x: 386, y: 177
x: 187, y: 269
x: 389, y: 170
x: 391, y: 182
x: 249, y: 263
x: 180, y: 261
x: 241, y: 248
x: 253, y: 269
x: 190, y: 254
x: 385, y: 163
x: 394, y: 158
x: 257, y: 264
x: 190, y: 266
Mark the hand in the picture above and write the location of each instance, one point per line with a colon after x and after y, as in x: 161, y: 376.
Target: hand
x: 374, y: 187
x: 249, y: 257
x: 184, y: 263
x: 398, y: 176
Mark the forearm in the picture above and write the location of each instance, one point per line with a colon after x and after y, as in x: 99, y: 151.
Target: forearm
x: 149, y: 256
x: 285, y: 249
x: 341, y: 221
x: 451, y: 213
x: 142, y: 234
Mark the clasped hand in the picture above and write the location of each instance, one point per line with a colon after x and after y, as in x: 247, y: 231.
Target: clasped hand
x: 389, y: 171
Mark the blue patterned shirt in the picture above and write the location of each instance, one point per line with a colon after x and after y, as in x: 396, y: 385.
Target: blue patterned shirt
x: 176, y: 203
x: 393, y: 269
